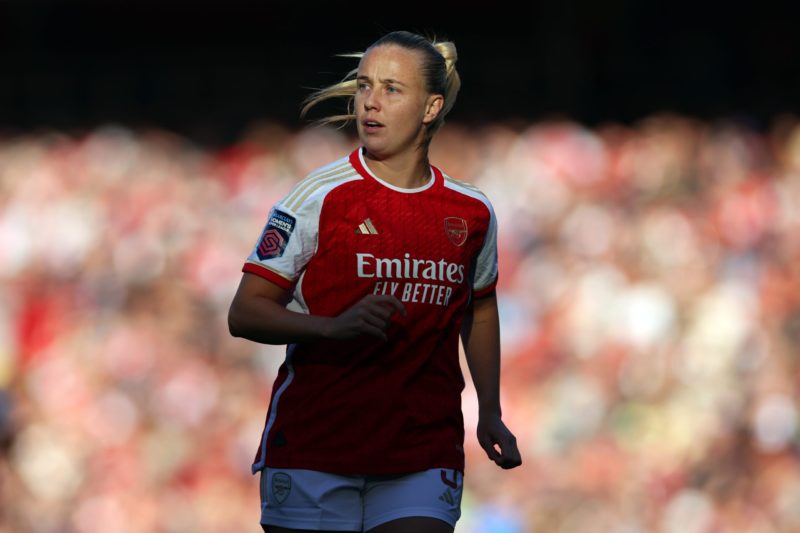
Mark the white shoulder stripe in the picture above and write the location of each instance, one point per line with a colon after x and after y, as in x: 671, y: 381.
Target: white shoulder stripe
x: 328, y: 169
x: 459, y: 183
x: 466, y: 189
x: 313, y: 183
x: 313, y: 187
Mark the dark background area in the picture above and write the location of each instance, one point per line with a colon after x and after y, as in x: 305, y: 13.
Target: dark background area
x: 209, y: 69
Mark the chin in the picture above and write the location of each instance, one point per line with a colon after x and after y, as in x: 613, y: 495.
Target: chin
x: 376, y: 148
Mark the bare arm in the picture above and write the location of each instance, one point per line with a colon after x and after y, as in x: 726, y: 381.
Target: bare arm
x: 480, y: 334
x: 258, y: 313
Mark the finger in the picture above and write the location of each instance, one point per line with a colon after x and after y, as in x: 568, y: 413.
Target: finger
x: 374, y: 331
x: 375, y: 321
x: 509, y: 460
x: 510, y: 457
x: 372, y: 323
x: 393, y: 302
x: 488, y: 446
x: 379, y: 310
x: 507, y: 442
x: 507, y: 463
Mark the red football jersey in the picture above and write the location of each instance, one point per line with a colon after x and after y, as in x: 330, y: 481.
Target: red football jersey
x: 366, y: 406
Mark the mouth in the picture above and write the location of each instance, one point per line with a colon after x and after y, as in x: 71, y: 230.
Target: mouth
x: 371, y: 126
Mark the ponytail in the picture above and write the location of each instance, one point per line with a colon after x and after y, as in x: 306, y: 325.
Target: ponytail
x: 447, y: 50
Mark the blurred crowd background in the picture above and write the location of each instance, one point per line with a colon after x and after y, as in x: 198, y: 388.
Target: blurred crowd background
x: 643, y: 159
x: 649, y: 303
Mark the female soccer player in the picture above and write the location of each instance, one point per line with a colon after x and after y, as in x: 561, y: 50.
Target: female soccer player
x: 370, y: 269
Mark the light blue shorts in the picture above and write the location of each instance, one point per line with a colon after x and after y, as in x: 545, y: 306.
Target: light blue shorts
x: 308, y: 499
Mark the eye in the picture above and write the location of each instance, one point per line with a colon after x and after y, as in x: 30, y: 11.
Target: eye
x: 362, y: 86
x: 391, y: 89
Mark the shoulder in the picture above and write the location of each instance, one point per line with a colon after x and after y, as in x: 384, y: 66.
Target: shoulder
x: 312, y: 190
x: 467, y: 190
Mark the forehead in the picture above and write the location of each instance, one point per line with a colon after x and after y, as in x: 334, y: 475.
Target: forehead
x: 392, y: 61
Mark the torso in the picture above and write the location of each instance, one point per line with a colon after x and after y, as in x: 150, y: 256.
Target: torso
x: 368, y: 406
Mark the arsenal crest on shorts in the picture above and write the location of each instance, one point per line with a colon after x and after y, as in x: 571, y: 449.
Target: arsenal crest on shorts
x: 456, y: 230
x: 281, y: 486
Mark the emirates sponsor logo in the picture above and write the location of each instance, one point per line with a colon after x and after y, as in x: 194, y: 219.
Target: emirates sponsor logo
x: 441, y: 273
x: 408, y: 267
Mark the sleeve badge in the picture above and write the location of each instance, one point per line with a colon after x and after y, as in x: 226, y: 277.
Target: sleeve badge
x: 276, y: 235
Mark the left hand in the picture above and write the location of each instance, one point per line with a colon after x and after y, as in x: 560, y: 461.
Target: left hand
x: 493, y: 434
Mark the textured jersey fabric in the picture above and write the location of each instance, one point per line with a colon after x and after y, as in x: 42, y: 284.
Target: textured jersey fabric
x: 366, y: 406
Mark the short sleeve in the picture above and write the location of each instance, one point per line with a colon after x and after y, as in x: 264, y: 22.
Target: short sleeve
x: 286, y: 244
x: 485, y: 278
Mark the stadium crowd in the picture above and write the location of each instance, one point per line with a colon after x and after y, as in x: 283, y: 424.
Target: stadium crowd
x: 650, y: 305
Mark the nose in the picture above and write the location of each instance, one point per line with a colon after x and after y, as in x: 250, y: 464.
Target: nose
x: 371, y: 101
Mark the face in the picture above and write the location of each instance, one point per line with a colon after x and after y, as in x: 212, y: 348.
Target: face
x: 392, y: 105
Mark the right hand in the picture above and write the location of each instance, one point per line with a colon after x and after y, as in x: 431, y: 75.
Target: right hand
x: 371, y: 316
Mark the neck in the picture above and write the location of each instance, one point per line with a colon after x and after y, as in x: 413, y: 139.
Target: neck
x: 407, y: 171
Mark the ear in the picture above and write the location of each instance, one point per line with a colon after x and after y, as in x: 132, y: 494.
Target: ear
x: 433, y: 106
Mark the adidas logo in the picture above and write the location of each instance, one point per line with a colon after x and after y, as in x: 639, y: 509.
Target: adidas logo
x: 447, y: 497
x: 366, y: 228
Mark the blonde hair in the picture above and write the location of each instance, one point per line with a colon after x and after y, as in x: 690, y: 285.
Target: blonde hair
x: 438, y: 71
